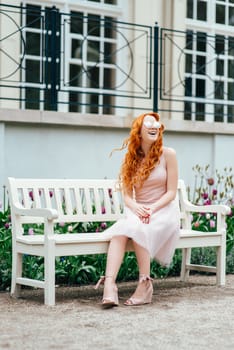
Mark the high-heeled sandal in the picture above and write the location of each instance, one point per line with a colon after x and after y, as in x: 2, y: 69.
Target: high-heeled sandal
x: 146, y: 298
x: 110, y: 300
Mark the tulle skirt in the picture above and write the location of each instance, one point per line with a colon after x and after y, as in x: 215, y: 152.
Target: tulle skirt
x: 159, y: 237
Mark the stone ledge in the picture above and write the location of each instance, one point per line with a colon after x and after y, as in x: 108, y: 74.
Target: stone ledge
x: 107, y: 121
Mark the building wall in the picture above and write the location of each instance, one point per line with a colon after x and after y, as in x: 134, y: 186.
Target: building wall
x: 81, y: 147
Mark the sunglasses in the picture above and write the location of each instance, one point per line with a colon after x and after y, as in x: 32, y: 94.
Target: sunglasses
x: 151, y: 124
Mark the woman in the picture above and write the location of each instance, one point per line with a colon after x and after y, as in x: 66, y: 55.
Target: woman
x: 149, y: 178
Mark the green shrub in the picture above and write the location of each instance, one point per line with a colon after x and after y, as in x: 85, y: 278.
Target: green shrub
x: 213, y: 189
x: 5, y: 249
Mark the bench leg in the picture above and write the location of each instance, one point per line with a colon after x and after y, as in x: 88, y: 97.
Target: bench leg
x: 221, y: 266
x: 186, y: 257
x: 17, y: 261
x: 50, y: 274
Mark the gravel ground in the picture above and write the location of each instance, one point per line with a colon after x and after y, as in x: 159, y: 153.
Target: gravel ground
x: 194, y: 315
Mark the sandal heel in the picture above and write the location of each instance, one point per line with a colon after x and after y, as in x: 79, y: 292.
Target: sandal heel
x: 146, y: 297
x: 110, y: 300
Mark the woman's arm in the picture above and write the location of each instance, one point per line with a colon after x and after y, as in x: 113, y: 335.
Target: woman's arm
x: 172, y: 180
x: 140, y: 210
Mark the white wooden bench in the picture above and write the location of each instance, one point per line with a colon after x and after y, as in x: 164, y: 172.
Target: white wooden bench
x: 54, y: 201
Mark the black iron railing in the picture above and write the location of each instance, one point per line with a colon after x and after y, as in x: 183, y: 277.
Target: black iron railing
x: 74, y: 60
x: 52, y: 60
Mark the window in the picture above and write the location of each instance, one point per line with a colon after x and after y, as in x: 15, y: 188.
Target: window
x: 209, y: 61
x: 224, y: 12
x: 201, y: 10
x: 87, y: 71
x: 92, y: 62
x: 197, y: 9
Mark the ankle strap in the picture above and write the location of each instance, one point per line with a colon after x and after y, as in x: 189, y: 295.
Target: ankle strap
x: 143, y: 278
x: 101, y: 281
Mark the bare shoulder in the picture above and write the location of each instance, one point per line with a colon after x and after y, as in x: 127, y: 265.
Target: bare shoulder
x: 169, y: 152
x: 170, y: 158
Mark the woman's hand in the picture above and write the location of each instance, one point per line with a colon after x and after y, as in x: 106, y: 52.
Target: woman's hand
x: 142, y: 211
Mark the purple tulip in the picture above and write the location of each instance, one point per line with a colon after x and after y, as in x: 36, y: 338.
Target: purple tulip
x: 31, y: 195
x: 205, y: 195
x: 103, y: 225
x: 214, y: 192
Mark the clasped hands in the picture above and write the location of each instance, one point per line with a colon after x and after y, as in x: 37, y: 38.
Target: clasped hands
x: 143, y: 212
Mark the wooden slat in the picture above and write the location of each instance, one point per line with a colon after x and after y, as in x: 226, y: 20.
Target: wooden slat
x: 97, y: 199
x: 36, y: 197
x: 58, y: 200
x: 26, y: 199
x: 68, y: 203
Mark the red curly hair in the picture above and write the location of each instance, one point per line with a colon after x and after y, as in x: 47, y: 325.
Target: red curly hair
x: 133, y: 171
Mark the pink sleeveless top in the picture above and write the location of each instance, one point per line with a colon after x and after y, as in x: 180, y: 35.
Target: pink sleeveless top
x: 155, y: 186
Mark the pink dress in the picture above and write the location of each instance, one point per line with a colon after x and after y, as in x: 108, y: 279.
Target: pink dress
x: 159, y: 237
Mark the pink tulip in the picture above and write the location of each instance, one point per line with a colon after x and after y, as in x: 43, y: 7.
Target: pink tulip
x: 212, y: 223
x: 30, y: 231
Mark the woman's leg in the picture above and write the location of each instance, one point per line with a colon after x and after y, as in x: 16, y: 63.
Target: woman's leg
x: 144, y: 290
x: 115, y: 255
x: 143, y: 259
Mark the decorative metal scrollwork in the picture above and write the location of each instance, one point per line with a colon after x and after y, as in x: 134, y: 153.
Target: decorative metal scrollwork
x: 11, y: 30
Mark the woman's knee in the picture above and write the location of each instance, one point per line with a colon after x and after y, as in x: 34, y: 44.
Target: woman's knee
x: 119, y: 239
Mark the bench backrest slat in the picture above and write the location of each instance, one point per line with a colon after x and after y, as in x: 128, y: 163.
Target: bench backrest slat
x: 78, y: 200
x: 75, y: 200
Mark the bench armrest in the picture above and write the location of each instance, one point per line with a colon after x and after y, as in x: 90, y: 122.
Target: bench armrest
x: 212, y: 208
x: 47, y: 213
